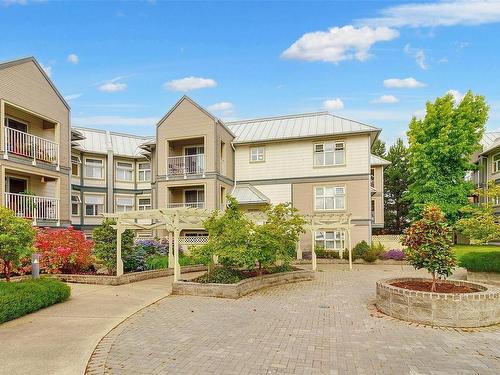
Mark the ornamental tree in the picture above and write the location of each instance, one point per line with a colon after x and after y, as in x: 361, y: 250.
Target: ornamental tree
x: 440, y: 149
x: 16, y: 240
x: 378, y: 148
x: 428, y: 242
x: 480, y: 223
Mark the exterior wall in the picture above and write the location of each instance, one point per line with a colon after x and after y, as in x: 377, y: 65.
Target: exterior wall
x: 166, y: 196
x: 295, y: 159
x: 277, y: 193
x: 378, y: 197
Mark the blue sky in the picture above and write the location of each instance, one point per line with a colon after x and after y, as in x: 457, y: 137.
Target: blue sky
x: 122, y: 65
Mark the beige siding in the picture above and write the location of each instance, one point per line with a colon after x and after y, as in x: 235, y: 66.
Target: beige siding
x: 277, y: 193
x: 226, y: 170
x: 120, y: 184
x: 358, y: 233
x: 379, y: 194
x: 295, y: 159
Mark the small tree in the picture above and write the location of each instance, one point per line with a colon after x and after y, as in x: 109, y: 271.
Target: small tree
x: 429, y: 243
x: 16, y: 240
x: 105, y: 244
x: 480, y: 223
x: 378, y: 148
x: 274, y: 241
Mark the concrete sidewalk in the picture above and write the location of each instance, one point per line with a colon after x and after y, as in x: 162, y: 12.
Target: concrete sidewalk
x: 61, y: 338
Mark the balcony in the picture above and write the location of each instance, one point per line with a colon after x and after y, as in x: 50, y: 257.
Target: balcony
x: 200, y: 205
x: 33, y: 207
x: 187, y: 165
x: 20, y: 143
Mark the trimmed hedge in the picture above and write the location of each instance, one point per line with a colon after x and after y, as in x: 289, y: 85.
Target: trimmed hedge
x: 481, y: 262
x: 24, y: 297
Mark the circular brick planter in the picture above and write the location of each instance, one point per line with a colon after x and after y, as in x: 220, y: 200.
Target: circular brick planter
x: 440, y: 309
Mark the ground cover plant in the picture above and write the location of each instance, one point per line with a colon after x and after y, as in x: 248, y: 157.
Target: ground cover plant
x: 461, y: 250
x: 481, y: 262
x: 395, y: 254
x: 24, y: 297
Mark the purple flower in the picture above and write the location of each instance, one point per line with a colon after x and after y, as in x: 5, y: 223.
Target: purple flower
x: 395, y: 254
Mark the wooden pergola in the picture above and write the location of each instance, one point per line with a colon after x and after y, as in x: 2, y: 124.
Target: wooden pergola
x: 175, y: 220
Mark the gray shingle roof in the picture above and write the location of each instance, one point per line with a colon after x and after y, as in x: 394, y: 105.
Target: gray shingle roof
x: 295, y: 126
x: 100, y: 141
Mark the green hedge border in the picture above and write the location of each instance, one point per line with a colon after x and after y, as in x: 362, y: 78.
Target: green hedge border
x: 20, y: 298
x: 481, y: 261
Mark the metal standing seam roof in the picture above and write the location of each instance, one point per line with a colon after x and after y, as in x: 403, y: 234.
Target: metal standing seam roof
x: 490, y: 141
x: 377, y: 160
x: 295, y: 126
x: 247, y: 194
x: 100, y: 141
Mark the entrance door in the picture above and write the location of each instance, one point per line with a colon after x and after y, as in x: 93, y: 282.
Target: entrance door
x: 194, y: 198
x: 194, y: 150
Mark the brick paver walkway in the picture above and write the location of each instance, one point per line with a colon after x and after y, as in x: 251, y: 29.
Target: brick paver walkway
x: 320, y: 327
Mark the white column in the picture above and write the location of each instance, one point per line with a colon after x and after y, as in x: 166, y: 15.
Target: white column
x: 349, y: 246
x: 177, y: 267
x: 58, y: 196
x: 58, y: 141
x: 298, y: 250
x: 2, y: 186
x: 119, y: 262
x: 313, y: 252
x: 3, y: 133
x: 170, y: 250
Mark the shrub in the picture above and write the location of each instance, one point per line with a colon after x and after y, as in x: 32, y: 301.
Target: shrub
x: 190, y: 260
x: 481, y: 262
x: 222, y: 275
x: 282, y: 268
x: 429, y: 243
x: 63, y: 250
x: 370, y: 256
x: 395, y: 254
x: 157, y: 262
x: 105, y: 244
x: 327, y: 254
x: 359, y: 250
x: 16, y: 240
x: 24, y: 297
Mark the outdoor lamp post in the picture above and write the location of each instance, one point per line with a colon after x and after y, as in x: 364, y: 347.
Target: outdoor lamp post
x: 35, y: 266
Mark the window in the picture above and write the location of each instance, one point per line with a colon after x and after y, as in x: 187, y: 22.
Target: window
x: 330, y: 240
x: 124, y: 171
x: 75, y: 204
x: 329, y: 153
x: 75, y: 165
x: 496, y: 200
x: 94, y: 168
x: 124, y: 204
x: 144, y: 204
x: 16, y: 125
x: 372, y: 177
x: 496, y: 163
x: 329, y: 198
x: 94, y: 205
x: 194, y: 198
x: 144, y: 172
x: 257, y: 154
x: 373, y: 210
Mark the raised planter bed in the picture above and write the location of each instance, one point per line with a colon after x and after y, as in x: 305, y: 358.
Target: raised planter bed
x: 390, y: 262
x: 491, y: 278
x: 241, y: 288
x: 476, y: 309
x: 118, y: 280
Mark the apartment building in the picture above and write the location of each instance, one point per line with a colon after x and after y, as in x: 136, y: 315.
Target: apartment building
x: 317, y: 161
x: 488, y: 162
x: 110, y: 172
x: 34, y: 144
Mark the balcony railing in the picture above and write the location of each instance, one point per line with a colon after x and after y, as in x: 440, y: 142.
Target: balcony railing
x: 30, y: 146
x: 186, y: 205
x: 186, y: 165
x: 33, y: 207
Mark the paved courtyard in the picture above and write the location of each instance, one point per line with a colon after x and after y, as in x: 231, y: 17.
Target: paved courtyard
x: 326, y: 326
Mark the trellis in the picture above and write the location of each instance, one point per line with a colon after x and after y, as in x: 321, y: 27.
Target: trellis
x: 175, y: 220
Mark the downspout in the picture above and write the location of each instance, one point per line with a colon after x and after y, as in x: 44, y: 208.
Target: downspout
x: 234, y: 167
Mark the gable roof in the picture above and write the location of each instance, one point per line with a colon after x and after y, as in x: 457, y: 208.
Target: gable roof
x: 377, y: 160
x: 9, y: 63
x: 101, y: 141
x: 305, y: 125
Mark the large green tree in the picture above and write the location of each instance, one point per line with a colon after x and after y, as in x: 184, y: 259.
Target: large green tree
x: 378, y: 148
x: 395, y: 187
x: 440, y: 150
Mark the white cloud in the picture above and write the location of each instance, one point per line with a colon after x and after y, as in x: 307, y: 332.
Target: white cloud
x: 72, y: 96
x: 439, y: 13
x: 333, y: 104
x: 114, y: 121
x: 418, y: 55
x: 189, y: 83
x: 338, y: 44
x: 47, y: 69
x: 457, y: 95
x: 403, y: 83
x: 112, y: 86
x: 14, y: 2
x: 386, y: 99
x: 72, y: 58
x: 222, y: 106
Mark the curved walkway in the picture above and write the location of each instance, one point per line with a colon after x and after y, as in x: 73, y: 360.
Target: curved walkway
x: 61, y: 338
x: 320, y: 327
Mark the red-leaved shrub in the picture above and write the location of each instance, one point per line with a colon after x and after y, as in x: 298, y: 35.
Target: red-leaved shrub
x: 63, y: 250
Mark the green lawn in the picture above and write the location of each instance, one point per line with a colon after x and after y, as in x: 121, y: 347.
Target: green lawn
x: 464, y: 249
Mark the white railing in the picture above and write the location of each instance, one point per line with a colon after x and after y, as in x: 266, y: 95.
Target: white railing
x: 193, y: 240
x: 186, y: 205
x: 30, y: 146
x: 186, y: 165
x: 33, y: 207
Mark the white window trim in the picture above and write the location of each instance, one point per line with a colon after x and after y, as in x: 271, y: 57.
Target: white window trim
x: 9, y: 117
x: 78, y: 163
x: 131, y: 169
x: 338, y: 237
x: 334, y: 158
x: 78, y: 202
x: 103, y: 173
x: 103, y: 205
x: 258, y: 148
x: 118, y: 196
x: 144, y: 205
x: 197, y: 195
x: 334, y: 196
x: 139, y: 170
x: 495, y: 164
